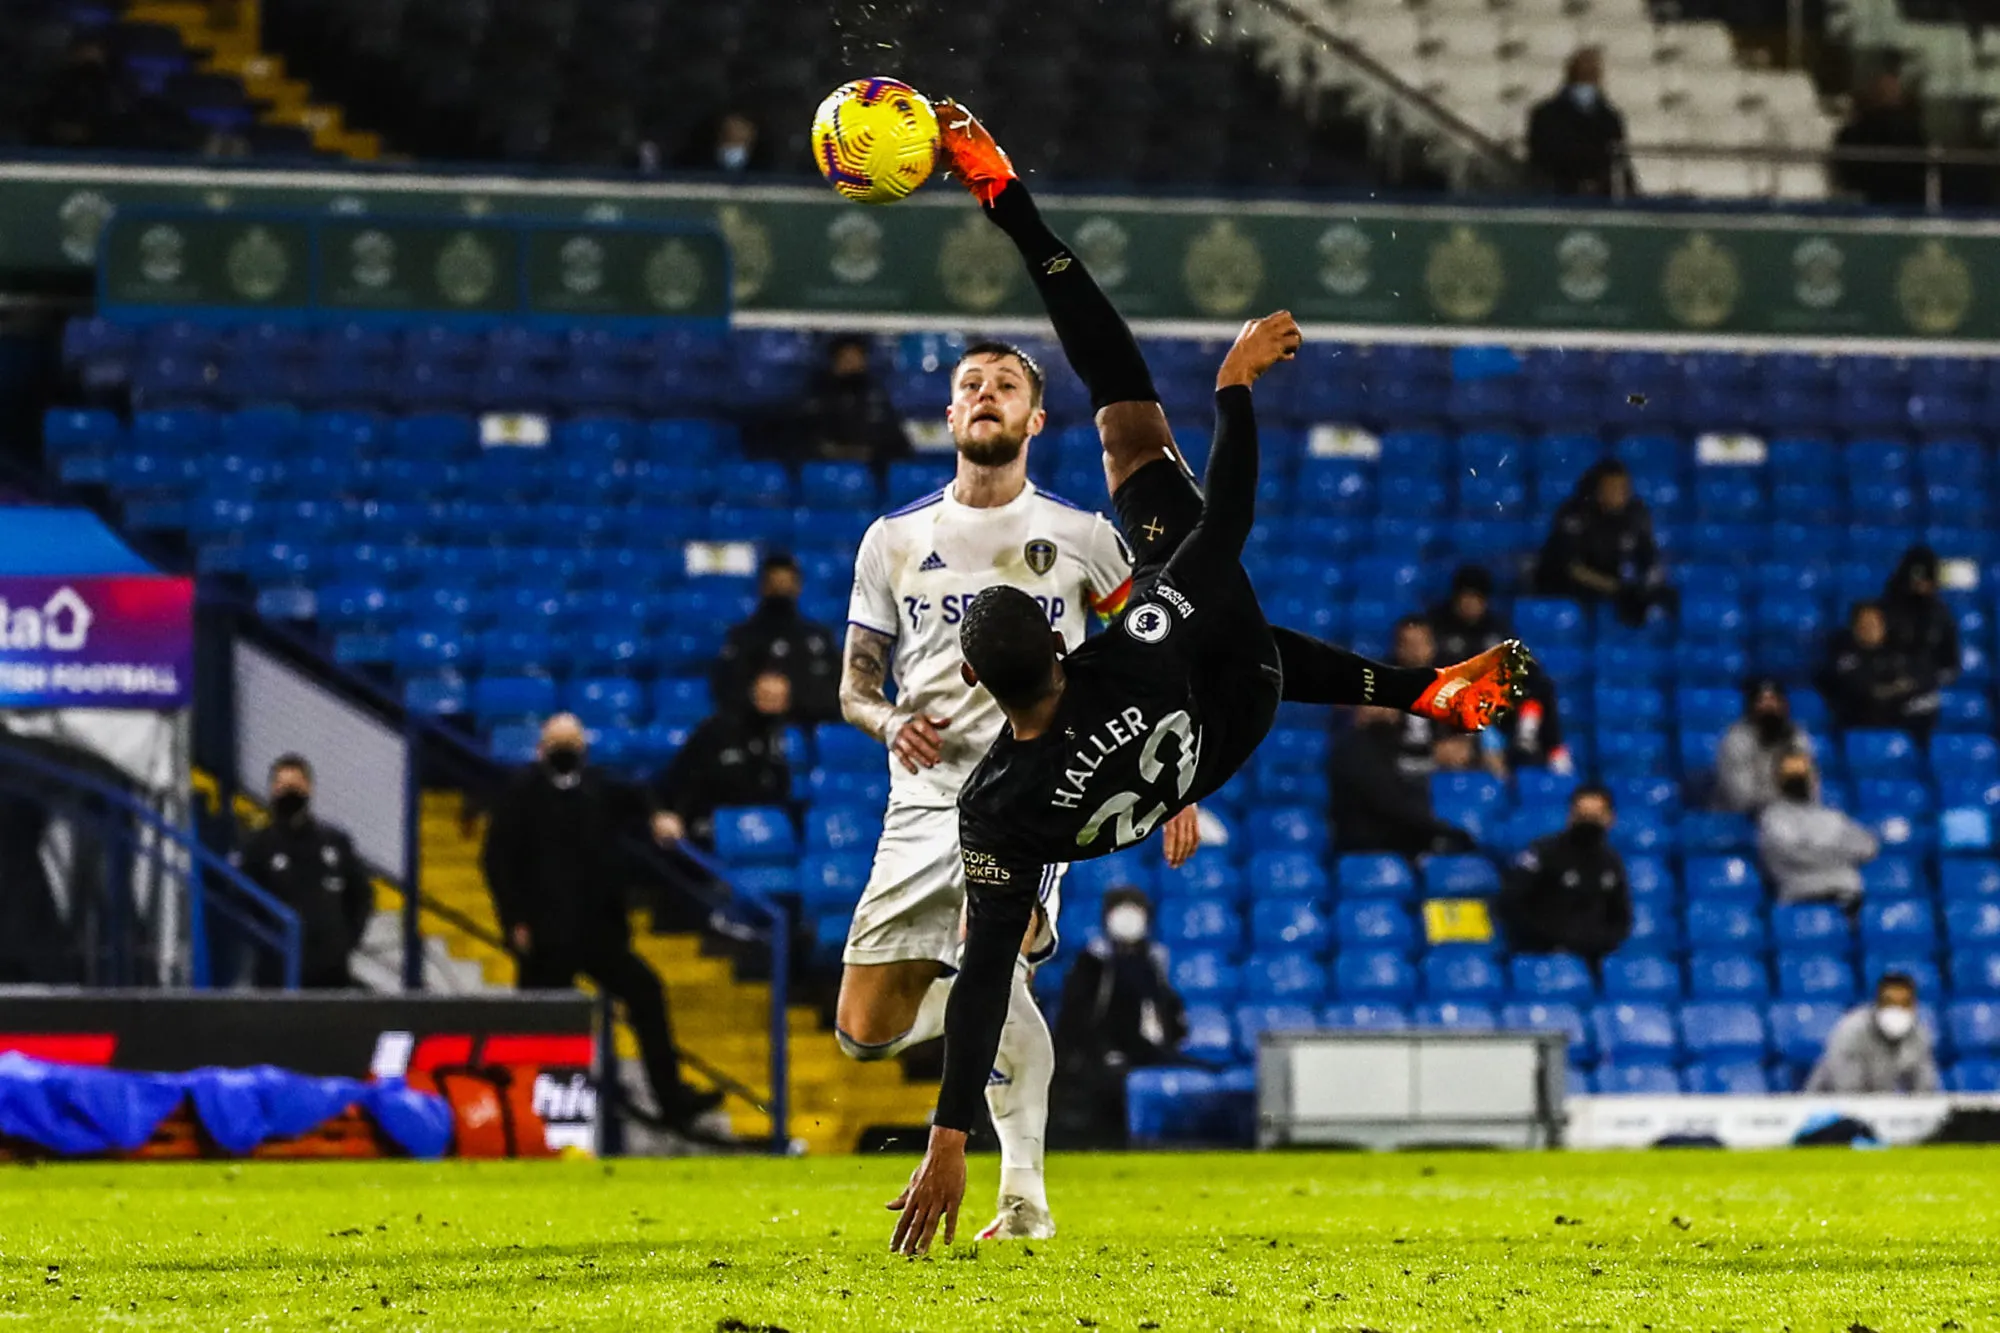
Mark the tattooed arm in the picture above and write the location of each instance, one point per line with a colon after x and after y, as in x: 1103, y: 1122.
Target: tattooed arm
x: 914, y: 741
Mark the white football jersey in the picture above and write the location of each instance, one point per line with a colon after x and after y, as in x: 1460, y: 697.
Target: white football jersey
x: 919, y: 569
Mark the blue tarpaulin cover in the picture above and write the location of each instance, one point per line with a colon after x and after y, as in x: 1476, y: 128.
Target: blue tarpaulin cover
x: 75, y: 1109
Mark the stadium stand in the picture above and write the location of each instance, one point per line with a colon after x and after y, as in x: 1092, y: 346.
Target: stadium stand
x: 338, y: 472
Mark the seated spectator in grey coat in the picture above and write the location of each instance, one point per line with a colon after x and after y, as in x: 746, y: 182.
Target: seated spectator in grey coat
x: 1811, y: 852
x: 1879, y: 1047
x: 1746, y: 763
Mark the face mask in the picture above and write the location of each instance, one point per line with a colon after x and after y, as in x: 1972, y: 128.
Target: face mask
x: 1796, y: 788
x: 288, y: 805
x: 777, y: 603
x: 1588, y: 833
x: 1125, y: 923
x: 564, y: 759
x: 1584, y: 95
x: 1894, y: 1021
x: 733, y: 157
x: 1773, y: 728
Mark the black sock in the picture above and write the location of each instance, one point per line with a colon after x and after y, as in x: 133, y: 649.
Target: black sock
x: 1094, y: 337
x: 1316, y: 672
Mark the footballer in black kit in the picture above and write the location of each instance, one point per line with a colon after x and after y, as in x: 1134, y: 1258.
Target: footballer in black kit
x: 1105, y: 743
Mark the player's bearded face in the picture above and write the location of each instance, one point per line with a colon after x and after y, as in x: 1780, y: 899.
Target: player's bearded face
x: 993, y: 412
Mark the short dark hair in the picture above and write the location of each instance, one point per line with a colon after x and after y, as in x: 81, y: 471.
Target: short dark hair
x: 1597, y: 789
x: 1472, y: 578
x: 775, y: 560
x: 1121, y: 896
x: 1896, y: 981
x: 994, y: 347
x: 1412, y: 621
x: 292, y: 761
x: 1005, y: 639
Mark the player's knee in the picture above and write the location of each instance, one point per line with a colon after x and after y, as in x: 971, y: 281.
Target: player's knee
x: 857, y: 1048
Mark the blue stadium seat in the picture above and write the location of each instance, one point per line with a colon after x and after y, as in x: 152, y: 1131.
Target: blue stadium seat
x: 1730, y: 1078
x: 1720, y: 975
x: 1974, y: 973
x: 1374, y: 974
x: 1649, y: 876
x: 1285, y: 974
x: 1968, y: 878
x: 1815, y: 976
x: 1973, y: 923
x: 1890, y: 876
x: 1723, y: 877
x: 1208, y: 873
x: 1715, y: 1029
x: 1550, y: 1016
x: 1974, y: 1026
x: 1550, y: 622
x: 506, y: 697
x: 1964, y: 756
x: 1880, y: 754
x: 1373, y: 924
x: 842, y: 828
x: 833, y: 879
x: 1810, y: 926
x: 1287, y: 829
x: 1906, y: 924
x: 1205, y: 975
x: 1724, y: 924
x: 1641, y: 976
x: 1199, y: 923
x: 1555, y: 978
x: 1254, y: 1020
x: 1374, y: 875
x: 1974, y: 1076
x: 1634, y: 1031
x: 1454, y: 1016
x: 1289, y: 923
x: 1297, y: 874
x: 1364, y: 1017
x: 1461, y: 972
x: 754, y: 835
x: 1712, y: 833
x: 1655, y: 928
x: 1171, y: 1105
x: 1460, y: 877
x: 1799, y: 1028
x: 1627, y: 1080
x: 1210, y: 1034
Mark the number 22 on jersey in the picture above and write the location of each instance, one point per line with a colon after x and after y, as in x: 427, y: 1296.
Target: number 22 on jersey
x: 1131, y: 829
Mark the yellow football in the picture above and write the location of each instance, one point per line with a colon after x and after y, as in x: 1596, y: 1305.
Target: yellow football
x: 875, y: 139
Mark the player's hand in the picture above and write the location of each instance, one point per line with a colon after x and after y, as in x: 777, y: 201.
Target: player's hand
x: 917, y: 743
x: 1263, y: 343
x: 936, y: 1189
x: 1182, y: 836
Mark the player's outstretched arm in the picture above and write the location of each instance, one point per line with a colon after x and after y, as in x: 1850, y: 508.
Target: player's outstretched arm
x: 1230, y: 488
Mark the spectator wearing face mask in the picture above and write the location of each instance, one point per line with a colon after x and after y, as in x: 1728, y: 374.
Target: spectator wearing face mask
x: 1576, y: 139
x: 1119, y: 1013
x: 1878, y: 1048
x: 777, y: 637
x: 311, y: 868
x: 1600, y: 547
x: 1812, y: 852
x: 1746, y: 762
x: 1920, y: 625
x: 555, y: 862
x: 1377, y: 805
x: 1867, y: 680
x: 736, y: 757
x: 1569, y: 893
x: 847, y: 415
x: 731, y: 144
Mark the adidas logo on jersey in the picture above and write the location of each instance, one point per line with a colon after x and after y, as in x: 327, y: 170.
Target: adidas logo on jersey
x: 931, y: 562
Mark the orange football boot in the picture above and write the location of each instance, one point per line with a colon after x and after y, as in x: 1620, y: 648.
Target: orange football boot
x: 1473, y: 695
x: 980, y: 164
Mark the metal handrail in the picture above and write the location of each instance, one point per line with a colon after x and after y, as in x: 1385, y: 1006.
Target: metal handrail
x: 202, y: 862
x: 1469, y: 136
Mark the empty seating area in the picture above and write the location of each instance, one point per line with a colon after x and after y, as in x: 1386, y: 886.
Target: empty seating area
x: 1082, y: 92
x: 1677, y: 83
x: 339, y: 473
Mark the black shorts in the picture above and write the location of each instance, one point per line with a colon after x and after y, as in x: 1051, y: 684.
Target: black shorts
x: 1232, y: 659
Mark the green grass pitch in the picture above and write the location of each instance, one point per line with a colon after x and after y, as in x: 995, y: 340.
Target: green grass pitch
x: 1825, y: 1239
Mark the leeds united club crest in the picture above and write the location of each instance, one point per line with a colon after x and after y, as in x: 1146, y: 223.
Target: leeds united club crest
x: 1040, y: 555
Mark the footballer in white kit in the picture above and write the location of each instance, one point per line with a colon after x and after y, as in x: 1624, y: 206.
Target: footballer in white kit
x: 917, y: 571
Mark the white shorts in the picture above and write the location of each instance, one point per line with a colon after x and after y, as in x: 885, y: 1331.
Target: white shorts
x: 914, y: 905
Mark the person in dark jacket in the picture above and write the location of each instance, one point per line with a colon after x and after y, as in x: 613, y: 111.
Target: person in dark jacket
x: 1867, y: 682
x: 1883, y: 118
x: 1119, y: 1013
x: 1568, y: 893
x: 1465, y: 624
x: 1415, y: 646
x: 1576, y: 139
x: 1601, y: 549
x: 777, y: 636
x: 1376, y: 806
x: 848, y: 416
x: 311, y: 868
x: 554, y: 864
x: 1921, y: 626
x: 736, y: 757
